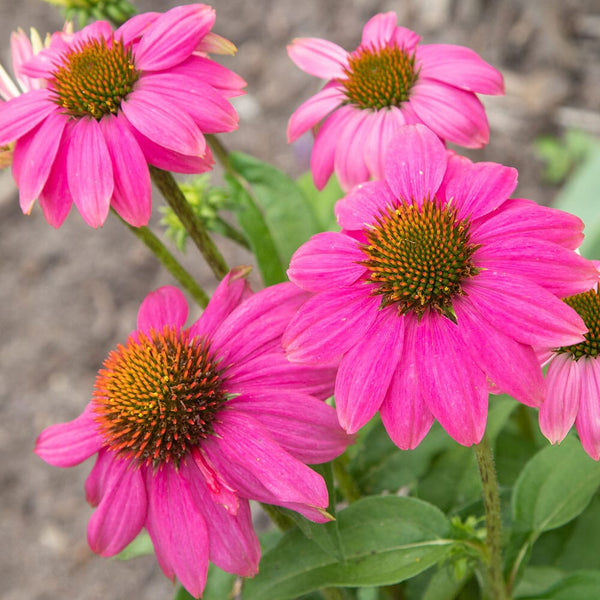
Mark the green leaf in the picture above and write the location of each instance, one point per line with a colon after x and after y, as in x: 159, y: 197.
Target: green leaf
x: 582, y: 585
x: 287, y: 214
x: 322, y: 201
x: 256, y: 230
x: 219, y: 586
x: 386, y: 539
x: 536, y: 580
x: 554, y: 487
x: 141, y: 546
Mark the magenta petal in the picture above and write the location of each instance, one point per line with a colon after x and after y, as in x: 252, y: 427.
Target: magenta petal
x: 132, y: 197
x: 477, y: 188
x: 309, y: 113
x: 329, y: 324
x: 173, y: 36
x: 416, y: 163
x: 95, y: 484
x: 404, y: 412
x: 329, y: 259
x: 366, y: 370
x: 318, y: 57
x: 383, y: 127
x: 68, y: 444
x: 349, y: 162
x: 460, y: 67
x: 305, y: 427
x: 564, y: 387
x: 588, y: 417
x: 165, y: 307
x: 456, y: 390
x: 379, y: 30
x: 453, y: 114
x: 122, y: 511
x: 177, y: 529
x: 90, y: 172
x: 524, y: 311
x: 133, y: 29
x: 21, y: 114
x: 512, y: 366
x: 360, y: 208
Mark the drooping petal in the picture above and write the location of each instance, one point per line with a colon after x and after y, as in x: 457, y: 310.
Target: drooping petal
x: 20, y: 115
x: 132, y: 30
x: 328, y: 260
x: 360, y: 208
x: 379, y: 30
x: 95, y: 484
x: 460, y: 67
x: 564, y: 385
x: 310, y: 112
x: 456, y: 391
x: 416, y: 163
x: 318, y: 57
x: 588, y: 417
x: 68, y: 444
x: 453, y: 114
x: 121, y: 513
x: 366, y: 370
x: 166, y: 306
x: 349, y: 163
x: 90, y: 172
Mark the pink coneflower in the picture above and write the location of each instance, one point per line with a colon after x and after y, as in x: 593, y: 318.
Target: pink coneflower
x: 435, y: 291
x: 388, y: 81
x: 112, y: 102
x: 573, y: 380
x: 190, y: 423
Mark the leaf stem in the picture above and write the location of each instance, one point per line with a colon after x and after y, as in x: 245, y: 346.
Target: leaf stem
x: 345, y: 482
x: 493, y: 523
x: 168, y: 187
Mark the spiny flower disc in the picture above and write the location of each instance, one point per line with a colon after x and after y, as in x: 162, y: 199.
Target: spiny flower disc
x: 94, y: 78
x: 158, y: 396
x: 379, y: 77
x: 587, y: 306
x: 418, y: 257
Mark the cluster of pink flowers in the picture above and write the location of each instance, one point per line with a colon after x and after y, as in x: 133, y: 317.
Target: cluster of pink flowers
x: 438, y: 289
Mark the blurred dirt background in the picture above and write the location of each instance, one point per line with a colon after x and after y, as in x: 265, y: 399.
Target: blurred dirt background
x: 68, y: 296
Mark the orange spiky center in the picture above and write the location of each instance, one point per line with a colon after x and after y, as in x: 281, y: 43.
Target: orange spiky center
x: 587, y: 306
x: 94, y: 78
x: 418, y: 257
x: 377, y: 78
x: 158, y: 396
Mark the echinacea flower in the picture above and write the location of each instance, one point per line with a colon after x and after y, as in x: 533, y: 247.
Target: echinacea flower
x: 573, y: 380
x: 112, y: 102
x: 388, y: 81
x: 189, y: 423
x: 435, y: 291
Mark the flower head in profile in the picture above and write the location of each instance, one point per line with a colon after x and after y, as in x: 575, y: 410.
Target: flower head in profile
x: 573, y: 380
x: 435, y: 291
x: 388, y: 81
x: 108, y: 103
x: 190, y: 423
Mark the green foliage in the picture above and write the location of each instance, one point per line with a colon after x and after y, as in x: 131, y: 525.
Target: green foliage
x: 140, y: 546
x: 562, y: 156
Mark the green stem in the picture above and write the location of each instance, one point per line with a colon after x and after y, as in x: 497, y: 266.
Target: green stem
x: 169, y: 262
x: 221, y: 153
x: 493, y: 523
x: 332, y: 594
x: 168, y: 187
x: 345, y: 481
x: 232, y: 233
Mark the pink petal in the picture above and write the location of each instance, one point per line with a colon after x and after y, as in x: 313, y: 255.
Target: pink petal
x: 8, y: 89
x: 230, y: 293
x: 132, y: 197
x: 177, y: 529
x: 310, y: 112
x: 524, y: 310
x: 326, y: 261
x: 416, y: 163
x: 132, y: 30
x: 173, y: 36
x: 349, y: 162
x: 20, y: 115
x: 90, y: 173
x: 406, y: 39
x: 318, y: 57
x: 165, y: 307
x: 96, y: 483
x: 199, y: 468
x: 456, y: 390
x: 460, y: 67
x: 305, y: 427
x: 453, y: 114
x: 477, y: 188
x: 360, y: 208
x: 564, y: 389
x: 21, y: 51
x: 122, y: 511
x: 68, y: 444
x: 366, y: 370
x: 175, y: 131
x: 512, y: 366
x: 329, y: 324
x: 379, y: 30
x: 588, y: 417
x: 404, y: 412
